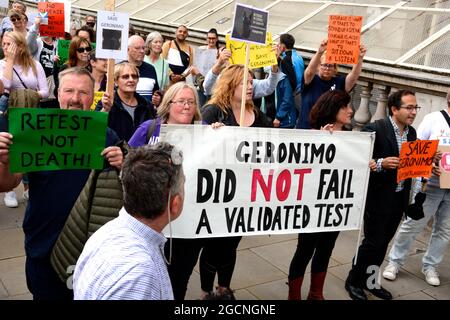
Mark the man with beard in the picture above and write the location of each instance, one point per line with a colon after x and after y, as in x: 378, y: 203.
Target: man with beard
x: 179, y: 54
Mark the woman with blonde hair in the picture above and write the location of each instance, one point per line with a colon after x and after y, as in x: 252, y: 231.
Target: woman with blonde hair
x: 179, y: 106
x: 18, y: 71
x: 225, y: 107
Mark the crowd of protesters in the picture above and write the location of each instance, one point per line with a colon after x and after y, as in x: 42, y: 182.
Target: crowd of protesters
x: 127, y: 257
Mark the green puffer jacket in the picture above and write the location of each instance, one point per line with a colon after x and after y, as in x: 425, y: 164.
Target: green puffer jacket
x: 99, y: 202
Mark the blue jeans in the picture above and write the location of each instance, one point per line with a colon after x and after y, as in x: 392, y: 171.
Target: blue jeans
x: 437, y: 204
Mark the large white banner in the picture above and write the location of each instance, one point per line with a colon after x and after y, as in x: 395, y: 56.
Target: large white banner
x: 253, y: 181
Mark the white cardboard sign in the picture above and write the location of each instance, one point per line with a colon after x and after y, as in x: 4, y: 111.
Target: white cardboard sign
x: 112, y: 35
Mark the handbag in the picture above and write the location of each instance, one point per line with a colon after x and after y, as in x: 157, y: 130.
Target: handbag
x: 23, y: 98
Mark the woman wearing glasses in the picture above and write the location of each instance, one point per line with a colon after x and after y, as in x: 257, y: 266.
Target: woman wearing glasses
x: 128, y: 108
x: 179, y: 105
x: 79, y: 50
x: 18, y: 71
x: 19, y: 21
x: 331, y: 112
x: 320, y: 77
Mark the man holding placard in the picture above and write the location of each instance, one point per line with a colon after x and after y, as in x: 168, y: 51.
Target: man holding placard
x: 321, y: 76
x: 436, y: 205
x: 53, y: 193
x: 386, y: 199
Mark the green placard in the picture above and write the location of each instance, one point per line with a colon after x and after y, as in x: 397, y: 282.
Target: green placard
x: 55, y: 139
x: 63, y: 50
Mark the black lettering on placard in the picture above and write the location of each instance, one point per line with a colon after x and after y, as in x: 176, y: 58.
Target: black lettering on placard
x: 329, y: 184
x: 203, y: 223
x: 204, y: 175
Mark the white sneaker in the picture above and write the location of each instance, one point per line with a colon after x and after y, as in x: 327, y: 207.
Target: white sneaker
x: 432, y: 277
x: 11, y: 200
x: 390, y: 272
x: 25, y: 195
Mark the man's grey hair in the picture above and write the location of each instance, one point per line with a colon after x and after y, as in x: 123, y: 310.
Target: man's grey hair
x: 78, y: 71
x: 151, y: 174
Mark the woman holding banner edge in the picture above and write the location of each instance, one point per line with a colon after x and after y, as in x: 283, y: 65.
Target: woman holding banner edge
x: 225, y: 107
x: 332, y: 112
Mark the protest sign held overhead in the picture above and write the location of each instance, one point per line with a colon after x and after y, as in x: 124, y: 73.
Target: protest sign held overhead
x: 55, y: 139
x: 260, y: 55
x: 416, y: 159
x: 205, y: 59
x: 444, y: 164
x: 344, y: 34
x: 112, y: 35
x: 249, y: 24
x: 252, y: 181
x: 55, y: 19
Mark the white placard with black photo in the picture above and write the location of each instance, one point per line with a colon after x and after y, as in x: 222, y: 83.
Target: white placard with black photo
x: 112, y: 35
x: 249, y: 24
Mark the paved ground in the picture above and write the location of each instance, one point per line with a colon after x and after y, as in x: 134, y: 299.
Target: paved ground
x: 261, y: 270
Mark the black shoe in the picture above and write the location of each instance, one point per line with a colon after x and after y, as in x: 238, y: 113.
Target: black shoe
x: 356, y: 293
x: 381, y: 293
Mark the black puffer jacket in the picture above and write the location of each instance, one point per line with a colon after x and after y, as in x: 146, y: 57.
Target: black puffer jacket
x: 120, y: 120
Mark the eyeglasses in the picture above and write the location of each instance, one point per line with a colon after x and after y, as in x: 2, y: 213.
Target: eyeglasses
x: 411, y: 108
x: 181, y: 102
x: 327, y: 65
x: 15, y: 19
x: 127, y: 76
x: 81, y: 50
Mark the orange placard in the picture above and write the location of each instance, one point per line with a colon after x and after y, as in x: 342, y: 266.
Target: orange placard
x: 416, y: 159
x: 344, y: 33
x: 55, y: 27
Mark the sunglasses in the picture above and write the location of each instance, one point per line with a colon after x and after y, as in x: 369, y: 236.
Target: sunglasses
x: 15, y: 19
x: 81, y: 50
x: 127, y: 76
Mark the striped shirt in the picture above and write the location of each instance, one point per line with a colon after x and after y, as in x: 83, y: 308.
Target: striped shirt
x: 400, y: 139
x: 123, y: 260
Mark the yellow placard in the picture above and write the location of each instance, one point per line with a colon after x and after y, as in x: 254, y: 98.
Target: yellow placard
x: 260, y: 55
x: 98, y: 95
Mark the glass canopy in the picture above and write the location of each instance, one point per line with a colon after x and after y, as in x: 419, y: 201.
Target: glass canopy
x: 413, y: 32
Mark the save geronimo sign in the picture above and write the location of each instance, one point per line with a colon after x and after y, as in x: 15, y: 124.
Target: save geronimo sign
x: 55, y: 139
x: 251, y: 181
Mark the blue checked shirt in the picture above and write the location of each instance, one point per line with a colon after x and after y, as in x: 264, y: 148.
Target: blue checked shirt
x: 123, y: 260
x: 400, y: 139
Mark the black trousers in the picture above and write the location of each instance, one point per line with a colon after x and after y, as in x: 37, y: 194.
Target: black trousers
x: 218, y: 256
x: 184, y: 258
x: 317, y: 246
x: 43, y: 282
x: 379, y: 229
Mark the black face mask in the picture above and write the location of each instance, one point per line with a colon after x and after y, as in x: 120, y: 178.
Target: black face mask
x: 90, y: 24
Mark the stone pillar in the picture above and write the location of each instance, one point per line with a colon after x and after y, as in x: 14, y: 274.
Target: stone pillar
x: 362, y: 115
x: 380, y: 113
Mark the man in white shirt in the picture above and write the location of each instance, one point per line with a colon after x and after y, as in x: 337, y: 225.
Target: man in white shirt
x: 124, y: 259
x: 436, y: 205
